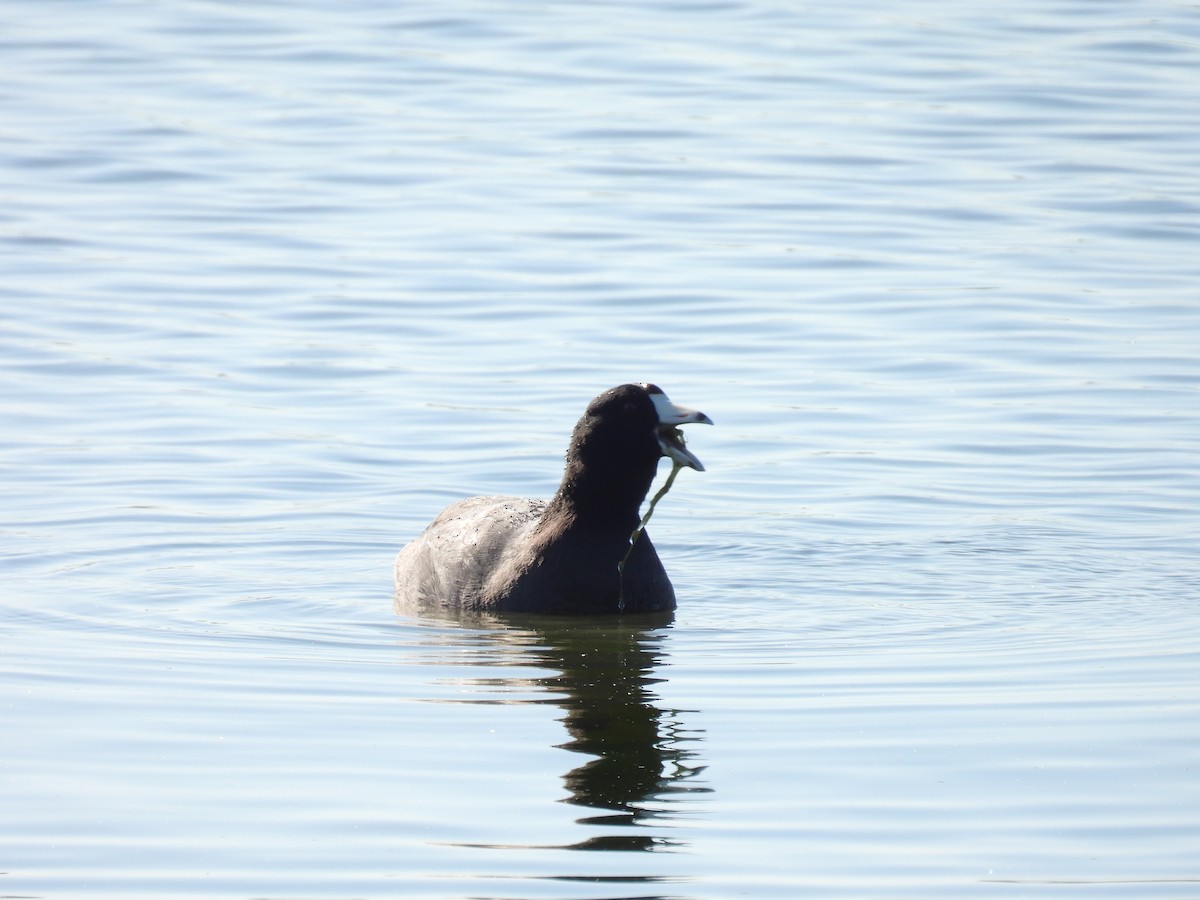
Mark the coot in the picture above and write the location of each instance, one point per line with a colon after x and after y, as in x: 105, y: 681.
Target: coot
x: 560, y: 555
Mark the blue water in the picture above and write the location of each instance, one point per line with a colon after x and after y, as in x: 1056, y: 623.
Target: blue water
x: 282, y: 280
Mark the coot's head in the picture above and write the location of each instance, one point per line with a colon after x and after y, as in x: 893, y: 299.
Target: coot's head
x: 641, y: 420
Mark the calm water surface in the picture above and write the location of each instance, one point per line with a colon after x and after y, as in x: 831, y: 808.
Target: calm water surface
x: 282, y: 280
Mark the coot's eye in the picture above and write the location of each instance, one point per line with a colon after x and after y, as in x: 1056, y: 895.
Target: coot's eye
x: 630, y: 408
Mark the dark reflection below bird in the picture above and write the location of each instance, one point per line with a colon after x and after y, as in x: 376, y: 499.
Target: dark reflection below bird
x: 642, y: 772
x: 640, y: 763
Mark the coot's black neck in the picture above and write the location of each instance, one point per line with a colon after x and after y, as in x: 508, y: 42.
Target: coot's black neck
x: 604, y: 484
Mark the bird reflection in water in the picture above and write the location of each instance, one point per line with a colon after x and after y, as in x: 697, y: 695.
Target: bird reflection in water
x: 601, y: 671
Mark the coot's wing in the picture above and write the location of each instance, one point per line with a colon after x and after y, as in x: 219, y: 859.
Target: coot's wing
x: 449, y: 563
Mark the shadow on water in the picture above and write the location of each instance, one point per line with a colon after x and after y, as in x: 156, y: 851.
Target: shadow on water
x: 641, y: 766
x: 641, y: 769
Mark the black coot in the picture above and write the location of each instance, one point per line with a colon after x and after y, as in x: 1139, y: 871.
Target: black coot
x: 560, y: 555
